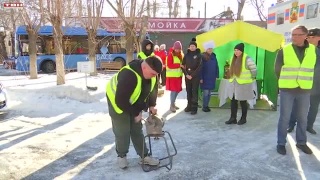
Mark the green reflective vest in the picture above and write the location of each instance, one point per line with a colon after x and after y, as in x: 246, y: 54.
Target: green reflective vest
x: 144, y: 56
x: 295, y: 74
x: 111, y: 89
x: 174, y: 72
x: 245, y: 76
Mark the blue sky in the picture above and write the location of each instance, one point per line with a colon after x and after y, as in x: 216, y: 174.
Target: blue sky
x: 214, y: 7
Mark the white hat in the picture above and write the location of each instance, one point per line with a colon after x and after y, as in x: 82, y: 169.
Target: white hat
x: 156, y: 47
x: 208, y: 44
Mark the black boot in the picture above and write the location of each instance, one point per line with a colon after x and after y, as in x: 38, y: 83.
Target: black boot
x: 194, y: 109
x: 187, y: 109
x: 231, y: 121
x: 206, y: 109
x: 242, y: 121
x: 193, y: 112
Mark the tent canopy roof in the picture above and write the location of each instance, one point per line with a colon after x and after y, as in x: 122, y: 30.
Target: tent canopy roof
x: 245, y: 32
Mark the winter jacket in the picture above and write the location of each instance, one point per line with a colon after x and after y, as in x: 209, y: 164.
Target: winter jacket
x: 209, y: 71
x: 300, y: 52
x: 143, y: 47
x: 316, y: 76
x: 127, y: 82
x: 192, y: 62
x: 173, y: 83
x: 163, y: 55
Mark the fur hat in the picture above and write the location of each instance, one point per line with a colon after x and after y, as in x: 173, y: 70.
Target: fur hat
x: 193, y: 42
x: 208, y: 45
x: 240, y: 47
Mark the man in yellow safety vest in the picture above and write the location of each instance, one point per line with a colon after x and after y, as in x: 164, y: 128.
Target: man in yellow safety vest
x: 128, y: 92
x: 146, y: 49
x: 313, y: 38
x: 294, y: 68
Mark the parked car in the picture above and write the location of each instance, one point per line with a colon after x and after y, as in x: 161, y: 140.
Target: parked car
x: 3, y: 97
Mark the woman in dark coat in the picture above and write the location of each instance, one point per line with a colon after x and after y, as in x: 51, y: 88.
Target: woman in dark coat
x: 209, y: 74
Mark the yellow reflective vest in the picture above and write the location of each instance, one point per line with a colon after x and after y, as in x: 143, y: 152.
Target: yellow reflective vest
x: 144, y: 56
x: 294, y: 74
x: 174, y: 72
x: 245, y: 76
x: 111, y: 89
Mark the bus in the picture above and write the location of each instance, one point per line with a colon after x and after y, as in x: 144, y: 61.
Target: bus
x: 75, y: 48
x: 285, y: 15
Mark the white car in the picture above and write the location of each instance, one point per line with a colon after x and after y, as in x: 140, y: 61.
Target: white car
x: 3, y: 98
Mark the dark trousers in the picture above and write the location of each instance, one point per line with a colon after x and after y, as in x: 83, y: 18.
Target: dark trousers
x: 312, y: 113
x: 192, y: 87
x: 234, y: 108
x: 162, y: 76
x: 124, y: 128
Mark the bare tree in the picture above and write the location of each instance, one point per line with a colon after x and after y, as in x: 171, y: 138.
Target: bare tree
x: 5, y: 24
x: 154, y: 9
x: 176, y: 9
x: 33, y: 19
x: 148, y: 8
x: 54, y: 10
x: 240, y: 8
x: 188, y: 8
x: 10, y: 18
x: 91, y: 23
x: 170, y: 5
x: 129, y: 25
x: 259, y: 6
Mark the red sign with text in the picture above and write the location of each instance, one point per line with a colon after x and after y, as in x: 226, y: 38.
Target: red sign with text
x: 165, y: 24
x: 113, y: 24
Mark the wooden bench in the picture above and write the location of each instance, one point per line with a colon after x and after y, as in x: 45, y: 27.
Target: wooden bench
x: 111, y: 65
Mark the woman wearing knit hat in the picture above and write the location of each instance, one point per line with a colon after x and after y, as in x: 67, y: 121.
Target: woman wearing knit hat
x: 209, y: 74
x: 174, y: 73
x: 242, y: 74
x: 191, y: 64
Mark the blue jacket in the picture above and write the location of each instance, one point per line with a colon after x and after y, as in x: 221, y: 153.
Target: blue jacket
x: 209, y: 72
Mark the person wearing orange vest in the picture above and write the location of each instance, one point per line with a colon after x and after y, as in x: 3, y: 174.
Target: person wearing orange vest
x: 243, y: 71
x: 294, y: 67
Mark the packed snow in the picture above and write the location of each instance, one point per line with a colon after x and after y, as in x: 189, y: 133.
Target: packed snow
x: 65, y: 132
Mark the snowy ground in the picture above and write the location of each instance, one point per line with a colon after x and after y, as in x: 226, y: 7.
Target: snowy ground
x: 64, y: 132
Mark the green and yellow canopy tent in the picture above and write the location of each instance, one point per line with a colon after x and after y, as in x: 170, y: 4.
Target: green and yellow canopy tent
x: 261, y: 45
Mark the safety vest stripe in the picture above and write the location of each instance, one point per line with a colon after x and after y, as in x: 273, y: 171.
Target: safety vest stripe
x: 297, y: 69
x: 246, y: 73
x: 173, y: 70
x: 113, y: 84
x: 297, y: 77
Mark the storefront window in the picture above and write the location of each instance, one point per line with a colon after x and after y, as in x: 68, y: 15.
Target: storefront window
x: 312, y: 11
